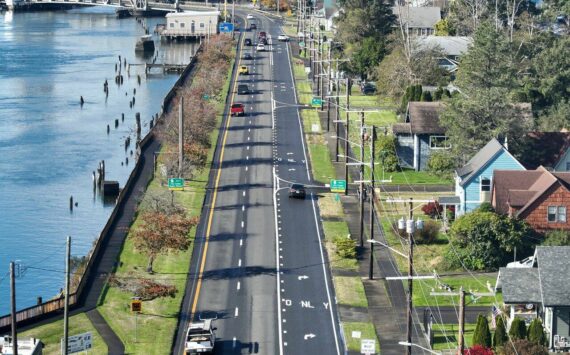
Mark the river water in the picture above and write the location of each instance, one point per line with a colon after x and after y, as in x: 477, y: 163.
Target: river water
x: 50, y: 144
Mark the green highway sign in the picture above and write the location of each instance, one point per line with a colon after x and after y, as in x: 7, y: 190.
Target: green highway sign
x: 316, y: 102
x: 176, y: 184
x: 338, y: 185
x: 301, y: 44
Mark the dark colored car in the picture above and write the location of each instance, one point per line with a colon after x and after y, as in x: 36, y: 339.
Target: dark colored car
x: 253, y: 26
x: 237, y: 110
x: 297, y: 191
x: 368, y: 89
x: 247, y: 42
x: 243, y: 89
x: 247, y: 56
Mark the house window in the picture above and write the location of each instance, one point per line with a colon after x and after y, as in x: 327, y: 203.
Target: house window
x: 201, y: 25
x: 485, y: 185
x: 568, y: 166
x: 172, y: 25
x: 556, y: 214
x: 439, y: 142
x: 182, y: 24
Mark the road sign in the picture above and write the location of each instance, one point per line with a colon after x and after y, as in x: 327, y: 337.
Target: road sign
x: 136, y: 306
x: 79, y: 342
x: 338, y: 185
x: 226, y: 27
x: 176, y: 184
x: 301, y: 44
x: 368, y: 346
x: 316, y: 102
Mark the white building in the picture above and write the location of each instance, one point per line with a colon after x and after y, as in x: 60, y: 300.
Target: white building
x: 191, y: 24
x: 26, y: 346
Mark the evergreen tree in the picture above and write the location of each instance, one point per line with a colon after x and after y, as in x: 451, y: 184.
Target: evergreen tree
x: 482, y: 334
x: 418, y: 93
x: 536, y: 332
x: 438, y: 94
x: 426, y: 96
x: 518, y: 329
x: 500, y: 337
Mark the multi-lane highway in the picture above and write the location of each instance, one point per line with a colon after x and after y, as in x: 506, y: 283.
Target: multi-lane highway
x: 260, y: 266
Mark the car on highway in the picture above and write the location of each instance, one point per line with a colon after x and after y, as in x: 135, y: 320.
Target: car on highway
x: 247, y: 42
x: 283, y: 37
x: 250, y: 17
x: 237, y: 109
x: 262, y: 34
x: 297, y: 191
x: 253, y: 26
x: 243, y: 89
x: 263, y: 40
x: 260, y: 47
x: 243, y: 70
x: 247, y: 56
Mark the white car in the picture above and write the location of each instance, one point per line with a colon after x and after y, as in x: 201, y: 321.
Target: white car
x: 260, y: 47
x: 250, y: 17
x: 283, y: 38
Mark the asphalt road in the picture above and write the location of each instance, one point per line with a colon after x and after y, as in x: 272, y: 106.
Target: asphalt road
x: 260, y: 268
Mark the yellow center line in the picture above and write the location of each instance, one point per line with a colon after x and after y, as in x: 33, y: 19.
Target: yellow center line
x: 213, y: 206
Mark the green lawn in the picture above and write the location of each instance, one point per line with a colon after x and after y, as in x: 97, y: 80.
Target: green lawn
x: 366, y: 330
x: 332, y: 231
x: 350, y: 291
x: 445, y: 335
x: 475, y: 283
x: 51, y: 334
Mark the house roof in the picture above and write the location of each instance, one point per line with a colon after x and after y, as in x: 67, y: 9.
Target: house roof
x: 520, y: 189
x: 449, y: 45
x: 553, y: 272
x: 520, y: 285
x: 418, y: 17
x: 542, y: 148
x: 422, y: 118
x: 479, y: 160
x: 192, y: 13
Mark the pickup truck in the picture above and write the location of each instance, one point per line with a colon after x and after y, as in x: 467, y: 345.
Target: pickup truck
x: 237, y: 110
x: 200, y: 338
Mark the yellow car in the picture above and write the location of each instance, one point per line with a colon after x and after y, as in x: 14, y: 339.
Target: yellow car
x: 243, y: 70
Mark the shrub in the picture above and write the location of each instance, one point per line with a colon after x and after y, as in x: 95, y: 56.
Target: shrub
x: 428, y: 234
x: 478, y: 350
x: 536, y: 332
x: 556, y: 238
x: 500, y: 337
x: 524, y: 347
x: 518, y: 329
x: 150, y: 290
x: 482, y: 334
x: 345, y: 247
x: 426, y: 96
x: 486, y: 207
x: 432, y: 209
x: 441, y: 163
x: 386, y: 147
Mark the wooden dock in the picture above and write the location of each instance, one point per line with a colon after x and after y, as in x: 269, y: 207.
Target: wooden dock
x: 166, y: 68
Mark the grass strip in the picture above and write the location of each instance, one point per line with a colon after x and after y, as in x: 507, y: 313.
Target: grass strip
x: 350, y: 291
x: 445, y: 336
x: 366, y: 330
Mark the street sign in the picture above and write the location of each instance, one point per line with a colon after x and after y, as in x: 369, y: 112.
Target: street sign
x: 301, y: 44
x: 338, y: 185
x: 136, y: 306
x: 368, y: 346
x: 176, y: 184
x: 79, y: 342
x: 226, y: 27
x: 316, y: 102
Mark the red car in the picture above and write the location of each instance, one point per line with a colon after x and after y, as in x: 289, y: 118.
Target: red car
x: 237, y: 110
x: 262, y: 34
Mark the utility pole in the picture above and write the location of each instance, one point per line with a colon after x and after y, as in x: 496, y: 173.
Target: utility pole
x: 461, y: 320
x: 346, y: 130
x: 410, y: 273
x: 180, y: 136
x: 329, y: 91
x: 13, y: 308
x: 372, y: 152
x: 361, y: 187
x: 337, y: 115
x: 66, y: 305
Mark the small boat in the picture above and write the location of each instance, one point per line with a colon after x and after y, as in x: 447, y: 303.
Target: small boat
x: 145, y: 44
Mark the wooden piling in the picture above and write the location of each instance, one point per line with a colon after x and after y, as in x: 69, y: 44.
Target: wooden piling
x: 108, y: 129
x: 71, y: 203
x: 116, y: 123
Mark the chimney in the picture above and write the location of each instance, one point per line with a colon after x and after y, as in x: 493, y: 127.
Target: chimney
x: 506, y: 144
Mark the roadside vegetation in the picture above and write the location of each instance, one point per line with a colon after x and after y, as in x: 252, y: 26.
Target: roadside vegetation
x: 366, y: 331
x: 155, y: 259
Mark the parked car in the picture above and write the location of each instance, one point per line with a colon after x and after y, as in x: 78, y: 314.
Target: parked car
x: 243, y: 89
x: 247, y: 56
x: 283, y: 37
x: 237, y: 109
x: 297, y: 191
x: 243, y: 70
x: 247, y: 42
x: 260, y: 47
x: 368, y: 89
x: 253, y: 26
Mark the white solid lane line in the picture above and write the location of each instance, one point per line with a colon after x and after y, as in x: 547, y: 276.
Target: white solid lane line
x: 236, y: 312
x: 238, y: 285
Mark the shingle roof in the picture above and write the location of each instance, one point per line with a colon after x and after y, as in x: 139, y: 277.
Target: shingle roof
x: 554, y: 275
x: 479, y: 160
x: 418, y: 17
x: 422, y: 118
x: 449, y: 45
x: 520, y: 285
x: 542, y: 148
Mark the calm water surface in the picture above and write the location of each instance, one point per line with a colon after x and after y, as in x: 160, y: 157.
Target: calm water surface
x: 49, y: 144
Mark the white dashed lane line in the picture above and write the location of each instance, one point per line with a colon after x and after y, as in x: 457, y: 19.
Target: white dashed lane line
x: 236, y: 312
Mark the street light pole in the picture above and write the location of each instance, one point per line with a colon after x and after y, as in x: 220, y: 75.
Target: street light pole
x: 410, y: 230
x: 346, y: 130
x: 372, y: 192
x: 361, y: 186
x: 337, y: 115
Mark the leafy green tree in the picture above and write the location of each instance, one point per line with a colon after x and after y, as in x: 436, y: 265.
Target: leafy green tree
x: 386, y: 148
x: 441, y: 163
x: 500, y: 337
x: 482, y: 334
x: 556, y: 117
x: 524, y: 347
x: 367, y: 56
x: 536, y: 332
x: 518, y: 329
x: 442, y: 28
x: 486, y: 207
x: 556, y: 238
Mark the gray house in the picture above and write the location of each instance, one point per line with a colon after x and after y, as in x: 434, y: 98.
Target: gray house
x: 418, y: 21
x: 451, y: 47
x: 419, y: 135
x: 541, y: 288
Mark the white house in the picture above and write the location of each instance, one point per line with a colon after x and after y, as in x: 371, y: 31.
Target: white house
x: 191, y: 24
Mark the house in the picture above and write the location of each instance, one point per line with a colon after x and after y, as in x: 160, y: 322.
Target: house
x: 418, y: 21
x: 547, y: 149
x: 451, y: 47
x: 473, y: 180
x: 193, y: 24
x: 419, y: 135
x: 540, y: 197
x: 541, y: 289
x: 26, y: 346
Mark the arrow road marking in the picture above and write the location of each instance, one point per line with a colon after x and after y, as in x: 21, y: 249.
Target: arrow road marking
x: 309, y: 336
x: 302, y: 277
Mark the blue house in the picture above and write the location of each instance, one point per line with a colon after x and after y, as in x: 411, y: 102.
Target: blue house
x: 473, y: 181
